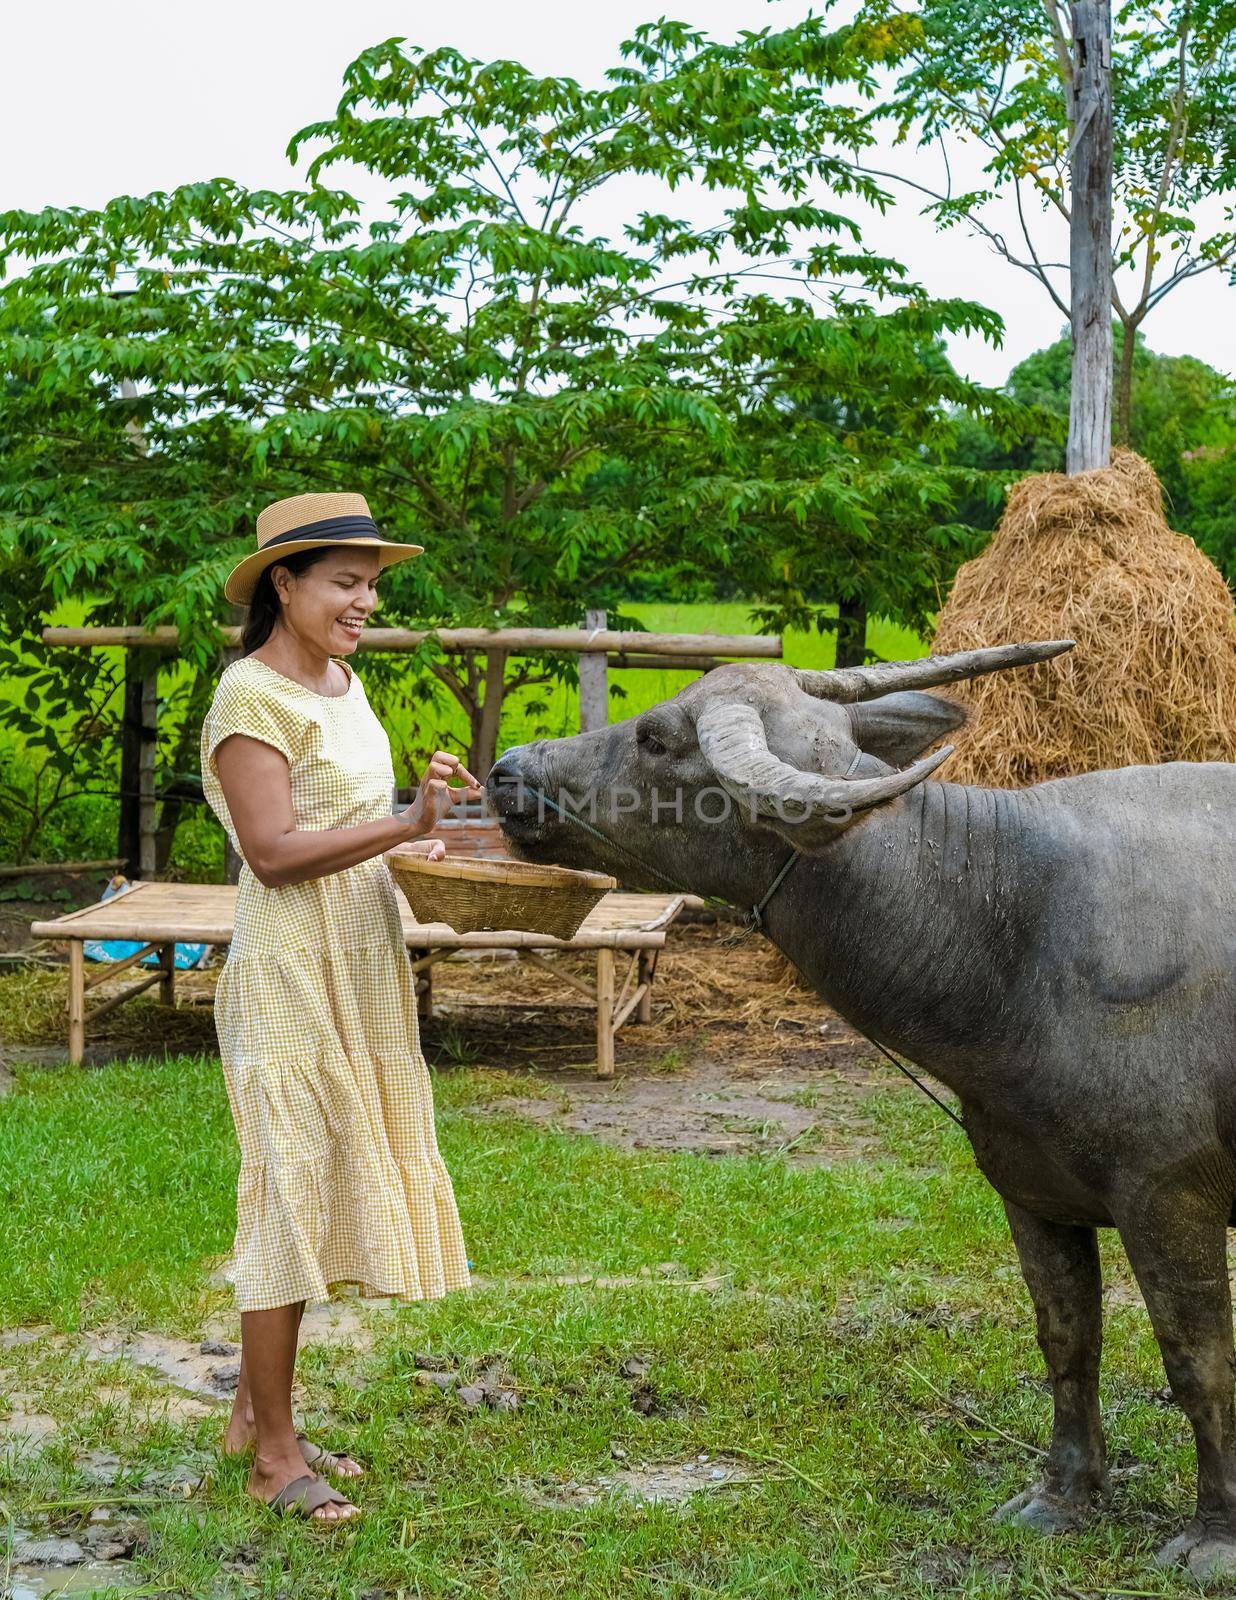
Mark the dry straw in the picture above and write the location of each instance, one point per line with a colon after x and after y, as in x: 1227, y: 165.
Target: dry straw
x: 1153, y: 677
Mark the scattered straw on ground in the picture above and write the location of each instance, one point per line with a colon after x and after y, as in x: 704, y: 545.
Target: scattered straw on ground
x: 1153, y: 677
x: 708, y: 994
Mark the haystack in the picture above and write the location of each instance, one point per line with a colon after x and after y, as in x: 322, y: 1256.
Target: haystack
x: 1153, y: 677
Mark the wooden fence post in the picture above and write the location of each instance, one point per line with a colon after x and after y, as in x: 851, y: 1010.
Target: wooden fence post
x: 139, y: 739
x: 593, y: 681
x: 851, y: 634
x: 146, y: 830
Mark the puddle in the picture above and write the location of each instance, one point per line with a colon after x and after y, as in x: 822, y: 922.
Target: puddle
x: 651, y: 1483
x: 29, y: 1582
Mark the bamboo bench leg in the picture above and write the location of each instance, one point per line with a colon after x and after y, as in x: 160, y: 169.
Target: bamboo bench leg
x: 167, y: 982
x: 77, y: 1001
x: 643, y: 1011
x: 605, y: 1013
x: 424, y: 994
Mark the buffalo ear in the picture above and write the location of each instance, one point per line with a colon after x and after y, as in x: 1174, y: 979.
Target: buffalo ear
x: 898, y: 727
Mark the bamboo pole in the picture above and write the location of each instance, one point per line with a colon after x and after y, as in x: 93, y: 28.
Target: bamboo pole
x: 77, y: 1002
x: 647, y: 967
x: 128, y: 837
x: 605, y: 1014
x: 113, y: 969
x: 130, y: 993
x: 515, y: 641
x: 167, y: 973
x: 673, y: 663
x: 110, y: 863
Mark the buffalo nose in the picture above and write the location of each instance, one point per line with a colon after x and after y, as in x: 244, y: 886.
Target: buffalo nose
x: 506, y: 785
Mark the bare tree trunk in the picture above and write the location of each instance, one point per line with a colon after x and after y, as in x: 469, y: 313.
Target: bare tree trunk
x: 180, y: 787
x: 1124, y: 382
x: 1090, y: 236
x: 851, y: 633
x: 135, y: 841
x: 146, y: 776
x: 488, y: 716
x: 128, y: 838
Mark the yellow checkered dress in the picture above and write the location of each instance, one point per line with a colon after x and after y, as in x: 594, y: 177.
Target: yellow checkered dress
x: 340, y: 1177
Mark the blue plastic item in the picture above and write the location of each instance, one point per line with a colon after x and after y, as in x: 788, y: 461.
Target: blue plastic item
x: 186, y: 955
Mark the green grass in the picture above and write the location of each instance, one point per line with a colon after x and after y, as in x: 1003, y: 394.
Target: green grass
x: 848, y: 1297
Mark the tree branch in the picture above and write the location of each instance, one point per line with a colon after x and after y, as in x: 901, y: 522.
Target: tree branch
x: 1194, y: 270
x: 1064, y: 56
x: 1038, y: 268
x: 1034, y: 267
x: 1179, y: 117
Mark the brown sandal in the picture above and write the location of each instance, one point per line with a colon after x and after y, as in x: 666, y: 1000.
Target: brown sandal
x: 325, y: 1460
x: 303, y: 1496
x: 311, y: 1453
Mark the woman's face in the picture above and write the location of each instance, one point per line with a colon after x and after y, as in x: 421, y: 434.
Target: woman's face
x: 328, y: 606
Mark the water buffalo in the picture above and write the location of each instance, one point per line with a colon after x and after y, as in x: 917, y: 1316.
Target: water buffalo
x: 1063, y: 957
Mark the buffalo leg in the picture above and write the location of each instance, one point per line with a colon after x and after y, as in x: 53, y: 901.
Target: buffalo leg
x: 1180, y: 1261
x: 1060, y: 1264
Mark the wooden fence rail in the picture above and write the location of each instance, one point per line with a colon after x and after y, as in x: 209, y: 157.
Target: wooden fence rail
x: 514, y: 641
x: 599, y: 648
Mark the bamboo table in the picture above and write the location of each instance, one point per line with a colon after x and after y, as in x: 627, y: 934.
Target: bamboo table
x: 161, y: 915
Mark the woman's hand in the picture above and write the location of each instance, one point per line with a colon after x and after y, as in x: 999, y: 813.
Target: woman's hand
x: 435, y: 794
x: 431, y: 849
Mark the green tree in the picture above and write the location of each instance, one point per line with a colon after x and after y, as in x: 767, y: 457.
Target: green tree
x: 1209, y: 474
x: 995, y: 73
x: 1182, y: 419
x: 841, y: 486
x: 553, y: 413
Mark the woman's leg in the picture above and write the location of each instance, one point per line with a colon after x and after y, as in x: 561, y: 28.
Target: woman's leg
x: 268, y: 1344
x: 241, y: 1430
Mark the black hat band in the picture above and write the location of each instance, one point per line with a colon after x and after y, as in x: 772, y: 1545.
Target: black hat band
x: 330, y: 528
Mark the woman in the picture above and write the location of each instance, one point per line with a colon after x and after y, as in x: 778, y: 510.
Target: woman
x: 340, y: 1178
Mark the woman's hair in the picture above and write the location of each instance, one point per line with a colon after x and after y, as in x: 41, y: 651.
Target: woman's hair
x: 264, y: 607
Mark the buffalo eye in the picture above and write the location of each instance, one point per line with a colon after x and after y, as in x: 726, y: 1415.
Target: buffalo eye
x: 649, y: 742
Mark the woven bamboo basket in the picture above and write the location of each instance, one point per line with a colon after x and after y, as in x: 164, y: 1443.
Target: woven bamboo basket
x: 475, y: 895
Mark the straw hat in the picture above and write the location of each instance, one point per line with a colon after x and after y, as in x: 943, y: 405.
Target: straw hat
x: 307, y: 522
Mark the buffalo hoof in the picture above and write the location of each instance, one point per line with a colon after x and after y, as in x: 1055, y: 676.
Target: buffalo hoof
x: 1044, y: 1512
x: 1207, y: 1555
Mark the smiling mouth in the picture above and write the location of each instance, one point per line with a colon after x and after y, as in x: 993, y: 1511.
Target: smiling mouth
x: 352, y: 626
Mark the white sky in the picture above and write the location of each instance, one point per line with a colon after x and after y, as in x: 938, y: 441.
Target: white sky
x: 97, y: 101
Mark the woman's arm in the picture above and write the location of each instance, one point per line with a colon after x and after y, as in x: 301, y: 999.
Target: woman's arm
x: 257, y: 786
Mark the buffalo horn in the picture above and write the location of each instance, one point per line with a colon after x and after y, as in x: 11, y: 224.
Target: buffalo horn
x: 847, y: 684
